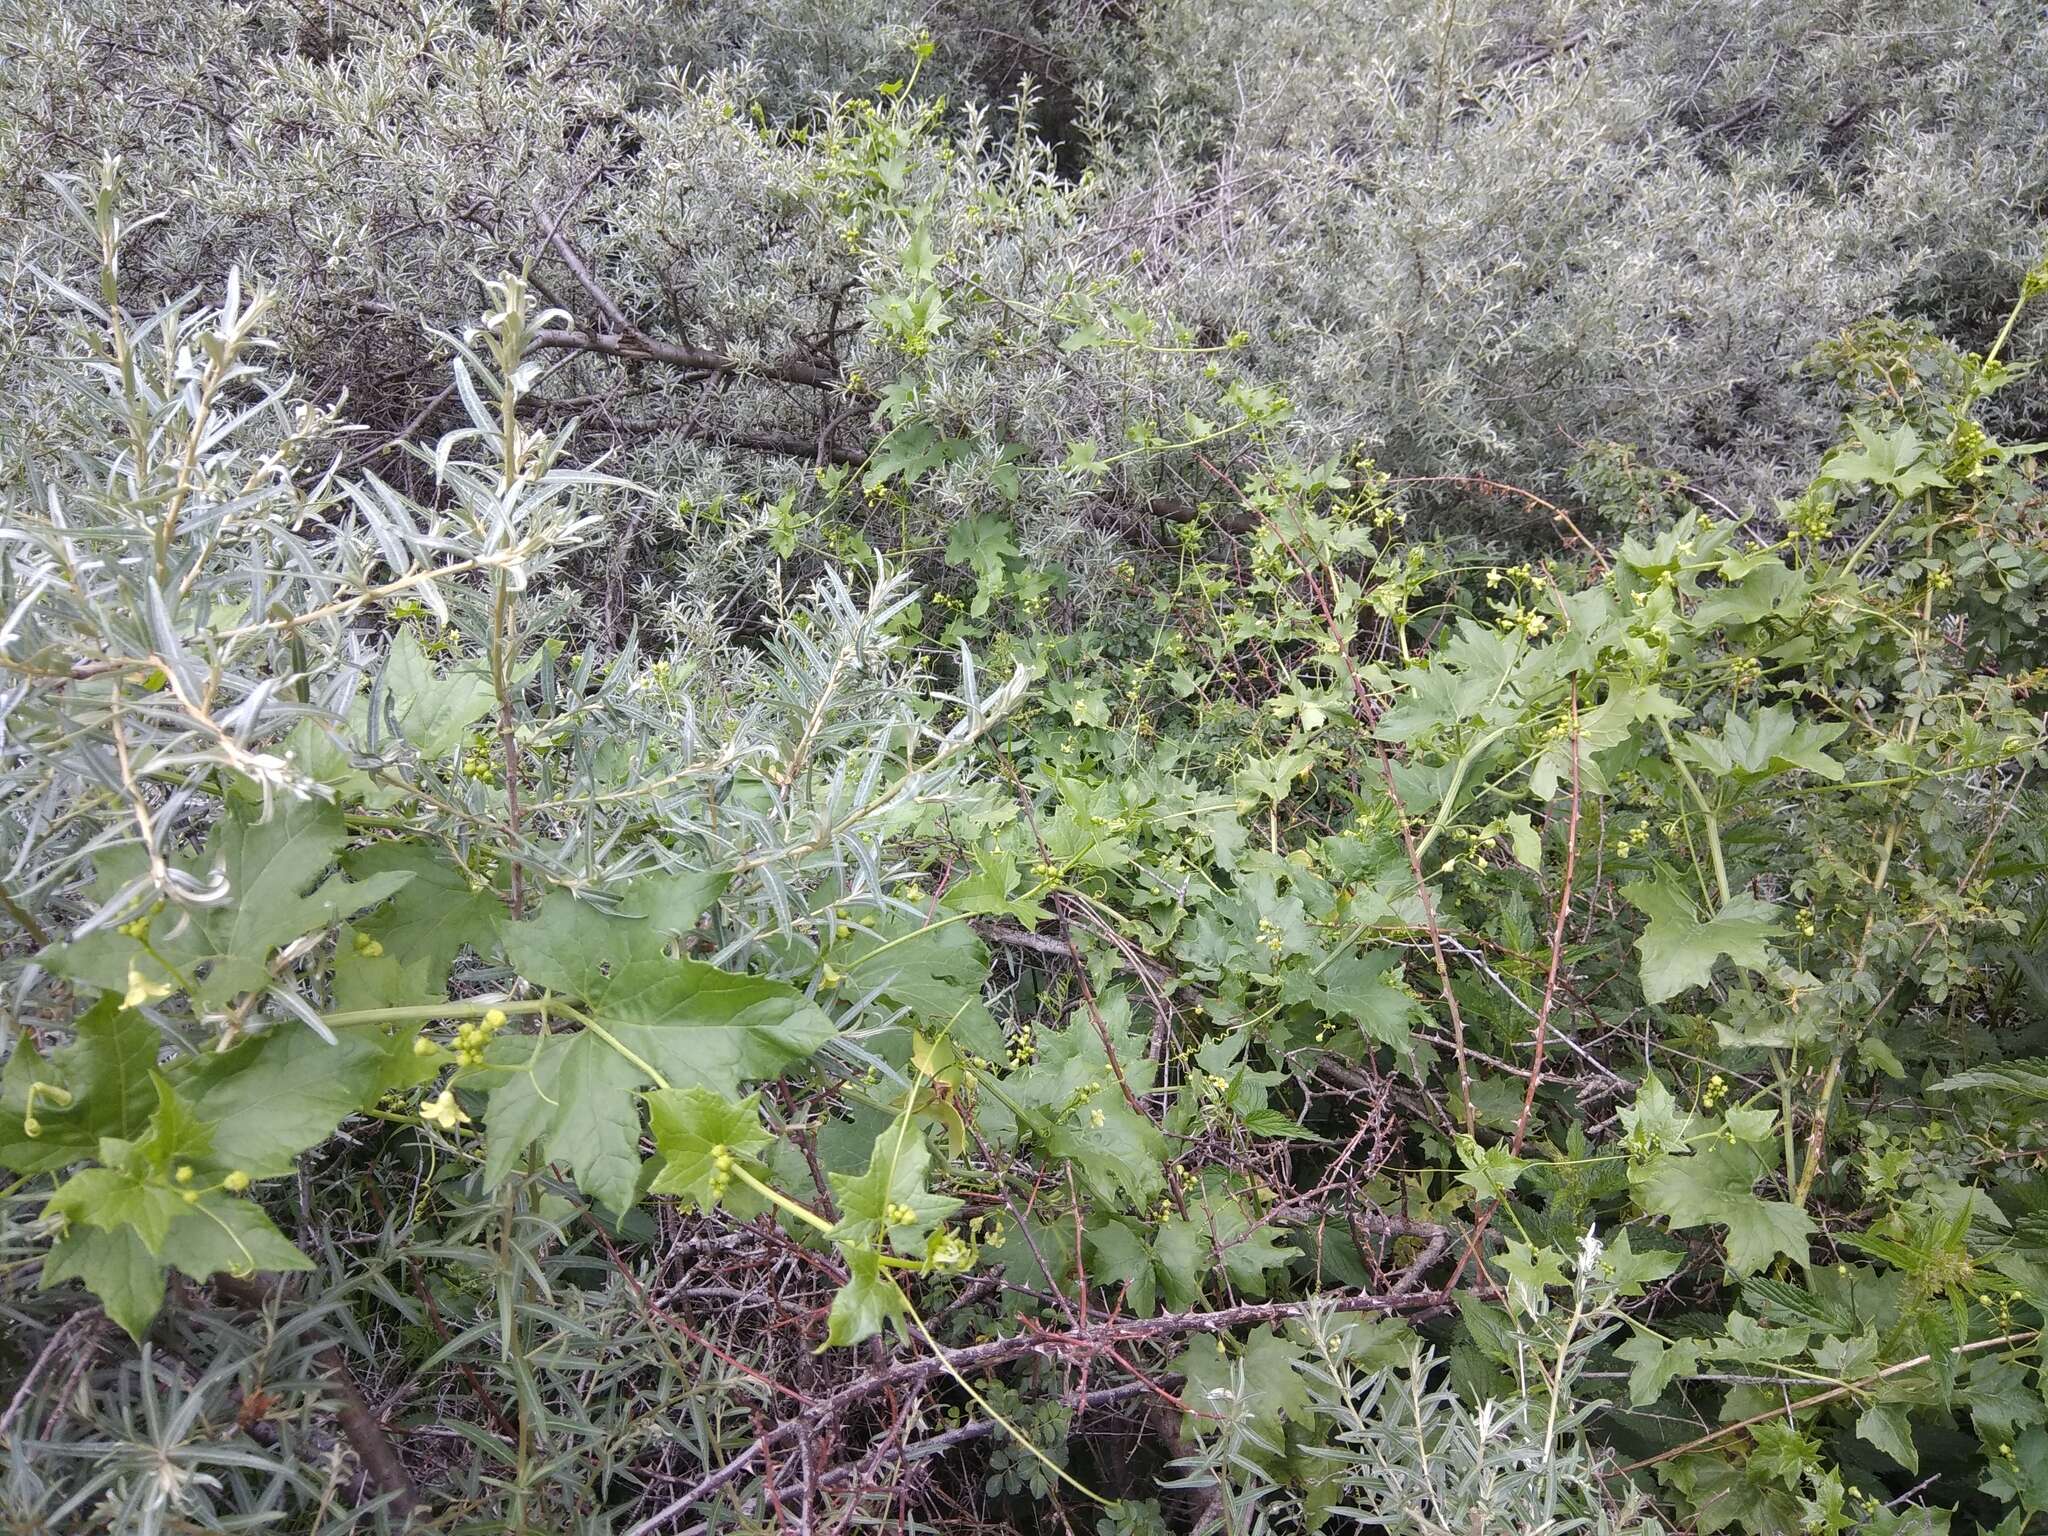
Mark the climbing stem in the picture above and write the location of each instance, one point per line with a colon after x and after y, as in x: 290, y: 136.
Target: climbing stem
x: 1708, y: 816
x: 780, y: 1201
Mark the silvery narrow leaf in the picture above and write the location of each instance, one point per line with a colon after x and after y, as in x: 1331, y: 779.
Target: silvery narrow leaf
x: 297, y: 1005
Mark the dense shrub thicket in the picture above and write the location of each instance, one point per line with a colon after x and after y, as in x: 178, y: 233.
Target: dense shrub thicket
x: 1472, y: 238
x: 1165, y: 767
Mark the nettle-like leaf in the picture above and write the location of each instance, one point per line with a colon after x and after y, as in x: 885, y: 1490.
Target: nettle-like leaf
x: 2026, y: 1079
x: 1264, y: 1385
x: 157, y: 1202
x: 656, y: 1013
x: 869, y: 1301
x: 1774, y: 740
x: 691, y: 1125
x: 281, y: 889
x: 889, y: 1203
x: 103, y: 1088
x: 1070, y: 1102
x: 1679, y: 949
x: 1716, y: 1186
x: 435, y: 710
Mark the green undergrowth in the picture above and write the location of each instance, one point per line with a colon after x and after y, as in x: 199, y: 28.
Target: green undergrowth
x: 1447, y: 1043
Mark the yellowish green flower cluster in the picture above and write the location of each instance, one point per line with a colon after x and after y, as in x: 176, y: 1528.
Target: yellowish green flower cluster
x: 1023, y: 1047
x: 721, y: 1171
x: 470, y: 1039
x: 235, y: 1182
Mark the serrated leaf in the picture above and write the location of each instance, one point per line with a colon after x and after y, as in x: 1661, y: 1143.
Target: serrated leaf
x: 2027, y: 1079
x: 1679, y: 950
x: 1654, y: 1365
x: 1263, y: 1385
x: 106, y: 1070
x: 1271, y: 1122
x: 435, y: 710
x: 115, y: 1266
x: 868, y: 1300
x: 691, y: 1021
x: 277, y: 872
x: 690, y: 1126
x: 1777, y: 1302
x: 889, y: 1202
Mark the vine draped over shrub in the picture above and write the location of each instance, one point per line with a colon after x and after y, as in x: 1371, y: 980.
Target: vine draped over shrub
x: 800, y: 864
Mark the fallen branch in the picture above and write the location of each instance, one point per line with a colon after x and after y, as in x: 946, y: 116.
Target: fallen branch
x: 649, y: 349
x: 1088, y: 1340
